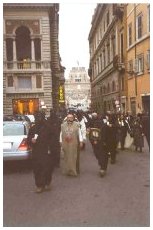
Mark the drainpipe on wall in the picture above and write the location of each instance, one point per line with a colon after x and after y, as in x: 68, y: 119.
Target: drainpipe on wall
x: 135, y: 75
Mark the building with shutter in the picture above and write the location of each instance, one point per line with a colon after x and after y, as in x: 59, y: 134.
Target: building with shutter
x: 119, y: 67
x: 32, y: 72
x: 107, y: 42
x: 138, y: 57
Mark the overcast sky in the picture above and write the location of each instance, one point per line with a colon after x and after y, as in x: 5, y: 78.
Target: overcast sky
x: 74, y: 26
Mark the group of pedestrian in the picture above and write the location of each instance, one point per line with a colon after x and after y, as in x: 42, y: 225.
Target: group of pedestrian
x: 109, y: 131
x: 48, y: 137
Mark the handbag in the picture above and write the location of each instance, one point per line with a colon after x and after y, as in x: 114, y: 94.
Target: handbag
x: 95, y: 134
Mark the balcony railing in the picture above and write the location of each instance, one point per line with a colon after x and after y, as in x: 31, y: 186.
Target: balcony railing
x: 26, y: 65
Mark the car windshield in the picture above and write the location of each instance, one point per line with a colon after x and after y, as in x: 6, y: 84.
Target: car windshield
x: 13, y: 129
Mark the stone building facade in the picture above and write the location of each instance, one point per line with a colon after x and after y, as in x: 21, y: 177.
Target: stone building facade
x: 77, y: 89
x: 138, y: 57
x: 107, y: 42
x: 32, y: 71
x: 119, y: 66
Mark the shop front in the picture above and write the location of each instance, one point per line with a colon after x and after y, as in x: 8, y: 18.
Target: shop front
x: 25, y: 106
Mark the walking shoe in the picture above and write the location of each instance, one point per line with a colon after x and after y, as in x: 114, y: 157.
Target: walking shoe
x: 39, y: 190
x: 102, y: 172
x: 47, y: 187
x: 113, y: 161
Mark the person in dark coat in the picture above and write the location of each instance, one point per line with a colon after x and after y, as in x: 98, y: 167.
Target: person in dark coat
x: 54, y: 126
x: 138, y: 134
x: 122, y: 130
x: 97, y: 139
x: 111, y: 136
x: 130, y: 119
x: 130, y: 122
x: 39, y: 140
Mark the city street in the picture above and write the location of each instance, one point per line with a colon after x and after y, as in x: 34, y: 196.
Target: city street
x: 93, y: 69
x: 120, y: 199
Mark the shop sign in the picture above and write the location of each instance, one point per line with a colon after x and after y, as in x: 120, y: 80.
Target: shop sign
x: 61, y: 94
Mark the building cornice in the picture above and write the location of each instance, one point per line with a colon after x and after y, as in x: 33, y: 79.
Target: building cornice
x: 146, y: 36
x: 105, y: 37
x: 28, y: 5
x: 109, y: 69
x: 96, y: 17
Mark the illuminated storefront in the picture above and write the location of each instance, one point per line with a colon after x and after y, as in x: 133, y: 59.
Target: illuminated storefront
x: 25, y: 106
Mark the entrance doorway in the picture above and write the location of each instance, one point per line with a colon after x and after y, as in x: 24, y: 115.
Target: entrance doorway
x: 25, y: 106
x: 146, y: 103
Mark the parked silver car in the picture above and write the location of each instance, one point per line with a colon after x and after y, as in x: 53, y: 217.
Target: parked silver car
x: 15, y: 140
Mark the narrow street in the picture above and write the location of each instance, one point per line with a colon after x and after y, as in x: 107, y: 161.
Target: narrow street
x: 84, y: 61
x: 120, y: 199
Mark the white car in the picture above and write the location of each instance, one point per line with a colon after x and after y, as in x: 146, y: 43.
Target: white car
x: 15, y: 140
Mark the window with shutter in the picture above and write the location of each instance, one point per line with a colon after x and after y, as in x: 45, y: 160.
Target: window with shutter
x: 139, y: 26
x: 131, y: 68
x: 136, y: 66
x: 140, y: 64
x: 130, y: 34
x: 148, y: 59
